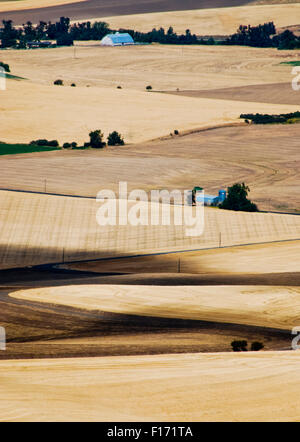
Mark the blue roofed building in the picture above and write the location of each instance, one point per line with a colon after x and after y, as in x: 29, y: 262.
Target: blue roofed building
x: 117, y: 39
x: 210, y: 200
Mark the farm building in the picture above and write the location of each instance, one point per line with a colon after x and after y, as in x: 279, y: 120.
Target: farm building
x: 38, y: 44
x: 117, y: 39
x: 210, y: 200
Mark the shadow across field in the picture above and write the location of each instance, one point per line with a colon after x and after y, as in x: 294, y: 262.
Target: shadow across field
x: 37, y: 330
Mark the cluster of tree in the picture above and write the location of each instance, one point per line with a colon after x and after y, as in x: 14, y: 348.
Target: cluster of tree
x: 42, y: 142
x: 264, y: 36
x: 19, y: 37
x: 4, y: 66
x: 73, y: 145
x: 163, y: 37
x: 242, y: 345
x: 237, y: 199
x: 97, y: 139
x: 269, y: 119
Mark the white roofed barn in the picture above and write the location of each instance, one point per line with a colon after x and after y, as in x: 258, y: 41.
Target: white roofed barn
x: 117, y: 39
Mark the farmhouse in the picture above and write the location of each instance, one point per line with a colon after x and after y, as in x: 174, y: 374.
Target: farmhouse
x: 117, y: 39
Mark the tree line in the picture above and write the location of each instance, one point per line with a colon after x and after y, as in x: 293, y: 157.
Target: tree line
x: 65, y: 33
x: 96, y: 141
x: 290, y: 118
x: 264, y: 36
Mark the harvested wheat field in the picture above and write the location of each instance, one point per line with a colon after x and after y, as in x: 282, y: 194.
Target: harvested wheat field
x: 218, y: 387
x: 30, y: 112
x: 38, y: 229
x: 135, y: 323
x: 275, y: 307
x: 264, y: 259
x: 164, y: 67
x: 175, y: 303
x: 29, y: 108
x: 20, y: 5
x: 93, y: 8
x: 213, y: 21
x: 277, y: 93
x: 251, y: 154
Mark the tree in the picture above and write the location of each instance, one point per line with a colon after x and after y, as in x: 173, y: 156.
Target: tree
x: 30, y: 33
x: 287, y: 40
x: 44, y: 142
x: 239, y: 345
x: 96, y: 139
x: 149, y: 88
x: 4, y: 66
x: 58, y: 82
x: 237, y: 199
x: 8, y: 34
x: 256, y: 346
x: 64, y: 40
x: 115, y: 139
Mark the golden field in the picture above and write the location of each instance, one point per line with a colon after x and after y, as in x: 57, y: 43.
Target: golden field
x: 165, y: 67
x: 219, y: 387
x: 143, y: 336
x: 29, y: 108
x: 33, y: 109
x: 276, y: 307
x: 38, y: 229
x: 12, y: 5
x: 215, y: 21
x: 251, y: 154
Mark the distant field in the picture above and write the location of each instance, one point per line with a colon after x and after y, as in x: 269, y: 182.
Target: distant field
x: 277, y: 93
x: 19, y: 5
x: 31, y: 112
x: 214, y: 159
x: 94, y: 8
x: 12, y: 149
x: 27, y: 108
x: 164, y: 67
x: 219, y: 21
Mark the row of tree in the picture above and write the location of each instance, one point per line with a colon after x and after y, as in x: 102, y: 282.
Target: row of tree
x: 269, y: 119
x: 96, y: 141
x: 65, y: 33
x: 264, y: 36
